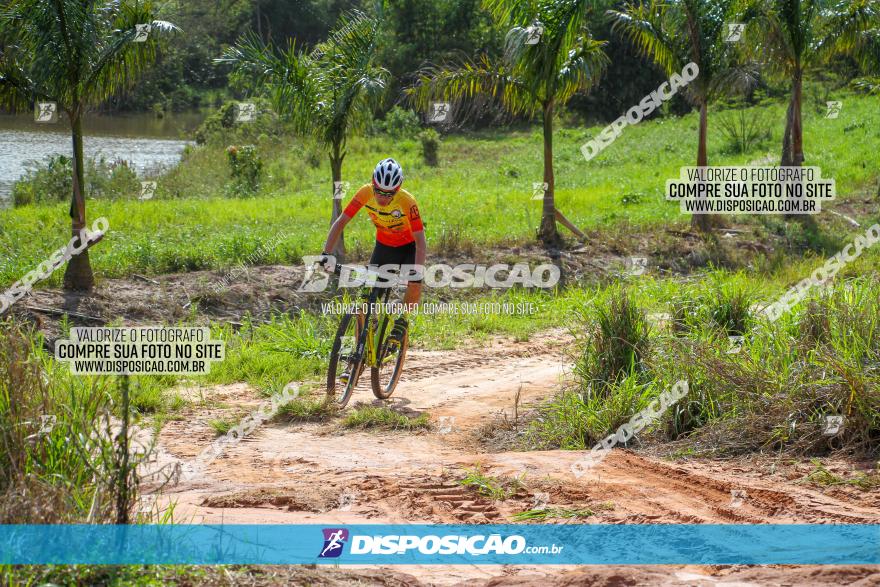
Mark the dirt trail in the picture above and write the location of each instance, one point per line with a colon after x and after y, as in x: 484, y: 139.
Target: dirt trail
x: 309, y: 473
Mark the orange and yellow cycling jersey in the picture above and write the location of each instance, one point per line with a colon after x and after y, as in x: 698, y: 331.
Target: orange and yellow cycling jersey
x: 395, y: 223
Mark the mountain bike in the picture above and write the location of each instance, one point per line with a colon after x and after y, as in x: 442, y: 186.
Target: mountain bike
x: 362, y: 341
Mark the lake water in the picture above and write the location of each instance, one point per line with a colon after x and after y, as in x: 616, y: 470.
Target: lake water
x: 146, y: 142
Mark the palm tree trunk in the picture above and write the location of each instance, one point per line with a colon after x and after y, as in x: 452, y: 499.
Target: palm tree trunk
x: 701, y: 221
x: 797, y: 129
x: 548, y: 233
x: 785, y: 160
x: 793, y: 143
x: 123, y: 493
x: 78, y: 274
x: 336, y: 158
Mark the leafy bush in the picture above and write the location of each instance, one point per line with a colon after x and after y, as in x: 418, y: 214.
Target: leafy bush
x: 52, y: 180
x: 399, y: 123
x: 222, y: 127
x: 430, y: 140
x: 115, y: 179
x: 246, y: 168
x: 47, y: 181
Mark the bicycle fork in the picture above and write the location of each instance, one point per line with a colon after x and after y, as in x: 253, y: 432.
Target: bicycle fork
x: 362, y: 347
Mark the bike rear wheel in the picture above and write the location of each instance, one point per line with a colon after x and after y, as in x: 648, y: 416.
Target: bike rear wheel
x: 386, y: 374
x: 344, y: 359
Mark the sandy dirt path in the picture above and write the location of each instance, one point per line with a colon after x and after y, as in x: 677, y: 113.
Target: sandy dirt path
x: 319, y: 473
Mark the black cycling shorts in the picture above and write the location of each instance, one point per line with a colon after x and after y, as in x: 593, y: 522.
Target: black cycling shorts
x: 388, y: 255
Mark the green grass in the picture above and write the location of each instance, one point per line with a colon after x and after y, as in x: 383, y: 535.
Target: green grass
x: 222, y: 425
x: 543, y: 514
x: 820, y: 359
x: 296, y: 348
x: 58, y: 432
x: 494, y: 488
x: 384, y: 418
x: 822, y: 476
x: 108, y: 575
x: 307, y: 409
x: 492, y: 204
x: 271, y: 355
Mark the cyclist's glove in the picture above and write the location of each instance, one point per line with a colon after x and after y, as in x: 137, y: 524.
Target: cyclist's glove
x: 327, y: 261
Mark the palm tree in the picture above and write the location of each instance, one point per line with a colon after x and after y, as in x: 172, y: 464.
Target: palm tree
x: 78, y: 54
x: 327, y: 93
x: 534, y: 76
x: 676, y: 32
x: 795, y: 35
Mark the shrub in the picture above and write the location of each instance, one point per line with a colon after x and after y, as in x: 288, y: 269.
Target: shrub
x: 430, y: 140
x: 52, y: 180
x: 48, y: 181
x: 221, y: 127
x: 399, y: 123
x: 744, y: 129
x: 115, y: 179
x: 246, y: 168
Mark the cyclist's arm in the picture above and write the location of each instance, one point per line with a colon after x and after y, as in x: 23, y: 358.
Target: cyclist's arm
x: 421, y: 247
x: 418, y: 232
x: 335, y: 231
x: 343, y: 219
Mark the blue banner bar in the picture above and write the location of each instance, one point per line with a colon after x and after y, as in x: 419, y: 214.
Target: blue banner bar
x: 590, y: 544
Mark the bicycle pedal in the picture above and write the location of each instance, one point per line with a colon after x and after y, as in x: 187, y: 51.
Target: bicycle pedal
x: 344, y: 378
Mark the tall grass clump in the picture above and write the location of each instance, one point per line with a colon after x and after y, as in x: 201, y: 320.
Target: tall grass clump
x: 612, y: 345
x: 612, y: 381
x: 730, y: 310
x: 573, y: 421
x: 64, y: 457
x: 778, y: 391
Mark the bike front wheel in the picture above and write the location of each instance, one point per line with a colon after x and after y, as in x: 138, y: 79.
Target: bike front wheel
x: 345, y: 366
x: 385, y: 375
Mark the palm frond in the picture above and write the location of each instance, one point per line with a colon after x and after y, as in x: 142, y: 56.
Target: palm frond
x: 77, y: 53
x: 582, y: 69
x: 466, y: 82
x: 326, y: 92
x: 852, y: 27
x: 642, y: 25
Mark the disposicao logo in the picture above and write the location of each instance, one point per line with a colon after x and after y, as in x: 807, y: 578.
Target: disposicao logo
x: 334, y: 541
x: 443, y: 545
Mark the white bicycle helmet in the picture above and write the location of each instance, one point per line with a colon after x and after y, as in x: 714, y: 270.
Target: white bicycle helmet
x: 388, y: 175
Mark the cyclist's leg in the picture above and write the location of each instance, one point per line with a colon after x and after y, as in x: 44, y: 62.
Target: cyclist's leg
x: 381, y: 255
x: 407, y: 256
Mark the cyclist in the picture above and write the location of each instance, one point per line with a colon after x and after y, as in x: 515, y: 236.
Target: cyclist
x: 400, y: 236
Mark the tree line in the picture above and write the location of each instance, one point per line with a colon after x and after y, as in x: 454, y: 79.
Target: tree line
x: 527, y: 58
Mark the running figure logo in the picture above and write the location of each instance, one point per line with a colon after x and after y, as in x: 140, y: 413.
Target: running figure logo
x: 334, y: 541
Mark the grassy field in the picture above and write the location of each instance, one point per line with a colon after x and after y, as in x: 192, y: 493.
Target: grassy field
x: 821, y: 359
x: 296, y: 348
x: 481, y: 194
